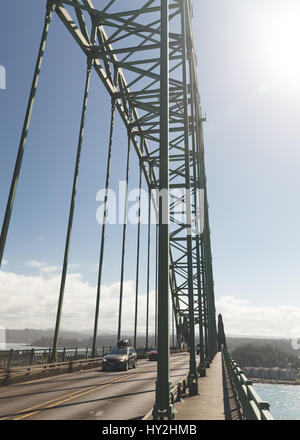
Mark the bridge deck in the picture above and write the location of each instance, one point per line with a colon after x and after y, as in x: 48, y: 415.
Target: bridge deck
x: 209, y: 404
x: 88, y: 395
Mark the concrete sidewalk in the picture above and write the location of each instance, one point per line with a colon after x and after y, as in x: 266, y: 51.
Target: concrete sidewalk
x: 209, y: 404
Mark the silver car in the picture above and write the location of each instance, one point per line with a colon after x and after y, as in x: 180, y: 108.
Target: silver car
x: 120, y: 358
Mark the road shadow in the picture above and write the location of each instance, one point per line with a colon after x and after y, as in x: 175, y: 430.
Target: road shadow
x: 74, y: 404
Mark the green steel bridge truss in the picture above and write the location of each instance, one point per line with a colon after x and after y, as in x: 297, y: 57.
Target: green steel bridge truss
x: 143, y: 52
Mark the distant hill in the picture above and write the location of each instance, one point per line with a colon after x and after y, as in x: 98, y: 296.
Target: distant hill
x: 44, y: 338
x: 28, y: 336
x: 285, y: 345
x: 83, y: 339
x: 263, y: 356
x: 103, y: 340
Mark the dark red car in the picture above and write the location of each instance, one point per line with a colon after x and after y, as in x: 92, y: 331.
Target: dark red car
x: 153, y: 355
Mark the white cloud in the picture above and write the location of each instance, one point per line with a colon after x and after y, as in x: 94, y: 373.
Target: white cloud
x: 241, y: 317
x: 73, y: 266
x: 35, y: 264
x: 44, y: 268
x: 31, y: 301
x: 49, y: 269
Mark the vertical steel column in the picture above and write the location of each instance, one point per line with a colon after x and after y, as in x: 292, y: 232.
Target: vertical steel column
x: 156, y: 281
x: 209, y: 293
x: 163, y: 407
x: 124, y: 239
x: 148, y: 268
x: 197, y: 202
x: 50, y: 7
x: 173, y: 329
x: 137, y: 263
x: 209, y: 273
x: 202, y: 186
x: 94, y: 349
x: 208, y: 357
x: 210, y: 324
x: 202, y: 309
x: 211, y: 302
x: 193, y: 375
x: 205, y: 289
x: 71, y: 213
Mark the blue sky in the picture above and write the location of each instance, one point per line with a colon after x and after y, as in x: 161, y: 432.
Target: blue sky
x: 42, y: 203
x: 250, y: 91
x: 249, y: 72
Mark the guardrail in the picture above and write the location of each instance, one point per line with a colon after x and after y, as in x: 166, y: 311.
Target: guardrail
x: 251, y: 405
x: 19, y: 358
x: 72, y: 360
x: 40, y: 356
x: 16, y: 374
x: 178, y: 392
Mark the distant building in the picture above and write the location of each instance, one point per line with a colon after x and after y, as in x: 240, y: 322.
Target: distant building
x: 269, y: 373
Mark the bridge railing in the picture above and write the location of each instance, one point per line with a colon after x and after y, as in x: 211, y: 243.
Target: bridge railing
x: 23, y: 373
x: 36, y: 356
x: 19, y: 358
x: 251, y: 405
x: 178, y: 392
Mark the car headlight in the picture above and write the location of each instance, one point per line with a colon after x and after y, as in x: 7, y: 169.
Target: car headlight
x: 122, y: 359
x: 104, y: 360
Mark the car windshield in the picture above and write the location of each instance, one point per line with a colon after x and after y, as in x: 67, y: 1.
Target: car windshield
x: 118, y: 350
x: 154, y: 349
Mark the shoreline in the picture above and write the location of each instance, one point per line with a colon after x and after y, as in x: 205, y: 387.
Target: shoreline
x: 274, y: 381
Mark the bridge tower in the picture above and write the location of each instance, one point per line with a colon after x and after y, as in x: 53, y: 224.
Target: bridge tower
x: 143, y: 52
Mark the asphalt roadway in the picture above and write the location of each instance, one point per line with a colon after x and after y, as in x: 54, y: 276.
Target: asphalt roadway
x: 88, y: 395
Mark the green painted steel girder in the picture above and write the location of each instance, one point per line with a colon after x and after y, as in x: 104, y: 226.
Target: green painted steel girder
x: 128, y: 61
x: 143, y: 53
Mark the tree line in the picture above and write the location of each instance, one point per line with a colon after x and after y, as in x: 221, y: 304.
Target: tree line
x: 264, y: 356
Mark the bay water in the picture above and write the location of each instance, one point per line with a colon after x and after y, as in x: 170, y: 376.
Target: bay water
x: 284, y: 400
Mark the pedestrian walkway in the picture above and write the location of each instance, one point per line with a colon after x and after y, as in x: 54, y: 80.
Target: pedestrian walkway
x: 209, y: 404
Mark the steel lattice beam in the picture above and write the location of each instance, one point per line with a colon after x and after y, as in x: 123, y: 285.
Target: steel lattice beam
x: 134, y: 81
x: 125, y: 51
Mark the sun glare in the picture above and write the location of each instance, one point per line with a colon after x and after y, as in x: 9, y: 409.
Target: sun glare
x: 281, y: 47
